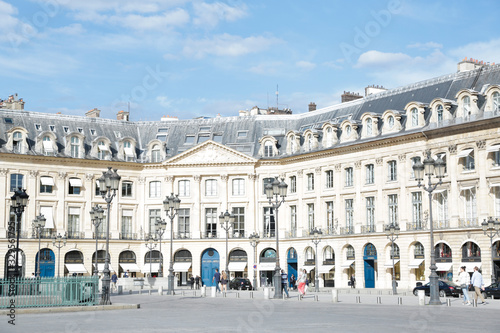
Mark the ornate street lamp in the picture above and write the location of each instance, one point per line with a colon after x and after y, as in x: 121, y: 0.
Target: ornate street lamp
x: 39, y: 224
x: 316, y: 238
x: 254, y: 240
x: 277, y: 191
x: 96, y: 216
x: 108, y: 185
x: 150, y: 244
x: 19, y: 201
x: 161, y: 225
x: 392, y: 232
x: 171, y: 206
x: 56, y: 241
x: 226, y: 221
x: 491, y: 228
x: 431, y: 168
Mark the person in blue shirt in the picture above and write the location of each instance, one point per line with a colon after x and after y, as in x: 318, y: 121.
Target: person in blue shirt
x: 284, y: 282
x: 478, y: 283
x: 114, y: 279
x: 216, y: 279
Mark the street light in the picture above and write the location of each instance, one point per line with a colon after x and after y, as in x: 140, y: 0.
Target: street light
x: 278, y: 191
x: 150, y: 244
x: 316, y: 238
x: 429, y: 167
x: 18, y: 201
x: 254, y: 240
x: 491, y: 228
x: 108, y: 185
x: 59, y: 239
x: 96, y: 216
x: 226, y: 221
x: 39, y: 224
x: 171, y: 206
x: 161, y: 225
x: 392, y: 232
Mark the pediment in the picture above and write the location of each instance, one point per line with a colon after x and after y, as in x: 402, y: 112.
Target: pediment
x: 210, y: 153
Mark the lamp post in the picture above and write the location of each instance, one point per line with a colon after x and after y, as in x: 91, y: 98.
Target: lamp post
x: 277, y: 191
x: 56, y: 241
x: 19, y: 201
x: 392, y: 232
x: 96, y: 216
x: 150, y: 244
x: 39, y: 224
x: 226, y: 221
x: 316, y: 238
x: 431, y: 168
x: 254, y: 240
x: 108, y: 185
x: 161, y: 225
x: 491, y: 228
x: 171, y: 206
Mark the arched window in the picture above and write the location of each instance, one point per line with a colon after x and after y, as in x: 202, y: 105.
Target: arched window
x: 466, y: 103
x: 268, y: 149
x: 101, y: 150
x: 419, y: 250
x: 496, y: 102
x: 127, y: 150
x: 17, y: 146
x: 293, y: 144
x: 309, y: 254
x: 414, y: 117
x: 48, y: 149
x: 75, y: 146
x: 370, y: 250
x: 395, y: 252
x: 329, y: 136
x: 348, y: 130
x: 329, y: 255
x: 155, y: 154
x: 471, y: 250
x: 439, y: 115
x: 369, y: 126
x: 350, y: 253
x: 390, y: 120
x: 442, y: 251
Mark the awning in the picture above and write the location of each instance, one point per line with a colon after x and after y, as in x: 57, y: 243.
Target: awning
x: 128, y: 152
x: 76, y: 268
x: 347, y: 263
x: 388, y: 263
x: 415, y: 263
x: 75, y: 182
x: 493, y: 148
x: 48, y: 147
x: 470, y: 266
x: 237, y: 266
x: 267, y: 266
x: 100, y: 267
x: 326, y: 268
x: 130, y: 267
x: 49, y: 219
x: 495, y: 185
x: 151, y: 268
x: 103, y: 148
x: 309, y: 268
x: 443, y: 266
x: 45, y: 180
x: 465, y: 188
x: 182, y: 266
x: 464, y: 153
x: 439, y: 190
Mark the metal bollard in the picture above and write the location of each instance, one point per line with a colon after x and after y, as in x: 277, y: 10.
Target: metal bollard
x: 335, y: 295
x: 237, y: 295
x: 379, y: 300
x: 448, y: 302
x: 299, y: 297
x: 224, y: 294
x: 421, y: 297
x: 358, y: 299
x: 474, y: 303
x: 400, y: 300
x: 316, y: 298
x: 160, y: 290
x: 149, y: 291
x: 251, y: 294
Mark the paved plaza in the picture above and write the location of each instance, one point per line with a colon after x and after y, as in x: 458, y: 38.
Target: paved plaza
x: 189, y: 313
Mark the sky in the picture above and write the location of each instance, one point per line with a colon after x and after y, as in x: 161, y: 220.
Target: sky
x: 191, y: 58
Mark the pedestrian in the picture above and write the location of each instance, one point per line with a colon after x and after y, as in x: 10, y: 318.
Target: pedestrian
x: 353, y: 281
x: 223, y: 281
x: 114, y: 279
x: 191, y: 280
x: 126, y: 274
x: 293, y: 282
x: 464, y: 281
x: 197, y: 281
x: 284, y: 282
x: 216, y: 279
x: 478, y: 283
x: 302, y: 282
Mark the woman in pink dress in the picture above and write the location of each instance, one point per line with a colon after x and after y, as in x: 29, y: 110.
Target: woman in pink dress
x: 302, y: 282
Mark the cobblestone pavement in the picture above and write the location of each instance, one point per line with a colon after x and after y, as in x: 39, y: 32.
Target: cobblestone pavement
x: 189, y: 313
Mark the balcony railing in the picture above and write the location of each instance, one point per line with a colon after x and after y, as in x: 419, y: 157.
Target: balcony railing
x: 128, y: 235
x: 349, y: 230
x: 329, y: 231
x: 208, y: 234
x: 269, y: 234
x: 291, y: 233
x: 441, y: 224
x: 237, y: 234
x: 75, y: 235
x: 366, y: 229
x: 24, y: 234
x: 468, y: 223
x: 309, y: 262
x: 182, y: 235
x: 100, y: 235
x: 411, y: 226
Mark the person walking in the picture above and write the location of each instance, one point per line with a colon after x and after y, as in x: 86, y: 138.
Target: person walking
x: 114, y: 279
x: 284, y: 282
x: 302, y: 282
x: 353, y: 281
x: 478, y: 283
x: 293, y: 282
x: 464, y: 281
x: 197, y: 281
x: 191, y: 281
x: 216, y: 279
x: 223, y: 281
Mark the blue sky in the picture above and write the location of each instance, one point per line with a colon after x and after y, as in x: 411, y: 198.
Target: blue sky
x: 190, y: 58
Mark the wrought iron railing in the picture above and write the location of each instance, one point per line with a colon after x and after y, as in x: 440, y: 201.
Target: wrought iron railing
x: 269, y: 234
x: 128, y: 235
x: 291, y: 233
x: 182, y: 235
x: 209, y: 234
x: 349, y: 230
x: 75, y: 235
x: 100, y: 235
x: 468, y: 223
x: 237, y: 234
x: 441, y: 224
x: 411, y: 226
x: 365, y: 229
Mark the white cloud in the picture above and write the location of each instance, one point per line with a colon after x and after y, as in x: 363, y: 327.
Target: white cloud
x: 209, y: 14
x: 118, y: 6
x: 375, y: 58
x: 12, y: 29
x: 72, y: 30
x: 487, y: 51
x: 267, y: 68
x: 332, y: 64
x: 164, y: 101
x: 425, y: 46
x: 176, y: 17
x: 305, y: 65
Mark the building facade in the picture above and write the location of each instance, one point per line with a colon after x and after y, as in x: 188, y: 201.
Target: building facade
x: 348, y: 168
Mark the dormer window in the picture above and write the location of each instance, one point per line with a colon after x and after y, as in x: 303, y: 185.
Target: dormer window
x: 414, y: 117
x: 496, y: 102
x: 348, y: 130
x: 102, y: 150
x: 155, y: 154
x: 17, y: 145
x: 38, y: 127
x: 48, y: 147
x: 268, y: 149
x: 466, y: 106
x: 65, y: 129
x: 128, y: 151
x: 369, y: 127
x: 390, y: 121
x: 75, y: 147
x: 80, y: 130
x: 439, y: 115
x: 309, y: 142
x: 52, y: 128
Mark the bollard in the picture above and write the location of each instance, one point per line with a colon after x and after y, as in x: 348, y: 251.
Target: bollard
x: 238, y: 295
x: 379, y: 300
x: 213, y: 292
x: 204, y: 291
x: 160, y: 290
x: 421, y: 297
x: 358, y: 299
x: 130, y: 291
x: 120, y: 290
x: 224, y: 294
x: 149, y: 291
x: 448, y: 302
x: 266, y: 293
x: 316, y: 298
x: 400, y: 300
x: 474, y: 303
x: 300, y: 297
x: 335, y: 295
x: 251, y: 294
x: 182, y: 293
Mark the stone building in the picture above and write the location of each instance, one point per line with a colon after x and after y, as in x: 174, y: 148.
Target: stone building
x: 348, y: 168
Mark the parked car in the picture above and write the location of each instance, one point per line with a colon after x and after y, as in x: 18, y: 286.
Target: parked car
x: 240, y: 284
x: 492, y: 290
x: 446, y: 288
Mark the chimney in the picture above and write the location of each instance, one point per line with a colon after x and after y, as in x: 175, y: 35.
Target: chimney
x: 312, y: 106
x: 94, y: 113
x: 374, y: 89
x: 122, y: 115
x: 470, y: 64
x: 12, y: 103
x: 348, y: 96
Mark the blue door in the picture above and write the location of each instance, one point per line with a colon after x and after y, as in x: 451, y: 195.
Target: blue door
x: 47, y: 263
x: 209, y: 262
x: 370, y: 257
x: 292, y: 264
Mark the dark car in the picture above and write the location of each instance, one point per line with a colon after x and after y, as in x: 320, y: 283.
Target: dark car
x: 240, y: 284
x: 446, y: 288
x: 492, y: 290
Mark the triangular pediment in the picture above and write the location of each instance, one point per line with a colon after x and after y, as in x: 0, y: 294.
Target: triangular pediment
x: 210, y: 153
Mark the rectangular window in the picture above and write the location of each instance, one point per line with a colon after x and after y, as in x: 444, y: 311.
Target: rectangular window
x: 126, y: 229
x: 497, y: 201
x: 329, y: 216
x: 75, y: 185
x: 239, y: 222
x: 416, y: 204
x: 442, y: 207
x: 203, y: 138
x: 210, y: 187
x: 265, y: 182
x: 370, y: 213
x: 393, y: 209
x: 293, y: 220
x: 126, y: 189
x: 73, y: 222
x: 217, y: 138
x: 310, y: 216
x: 154, y: 189
x: 183, y: 223
x: 154, y: 214
x: 269, y: 223
x: 189, y: 139
x: 392, y: 171
x: 238, y: 186
x: 470, y: 203
x: 370, y: 174
x: 242, y: 134
x: 293, y: 184
x: 349, y: 177
x: 310, y: 181
x: 16, y: 181
x: 414, y: 160
x: 329, y: 178
x: 211, y: 222
x: 496, y: 158
x: 46, y: 184
x: 349, y: 215
x: 184, y: 186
